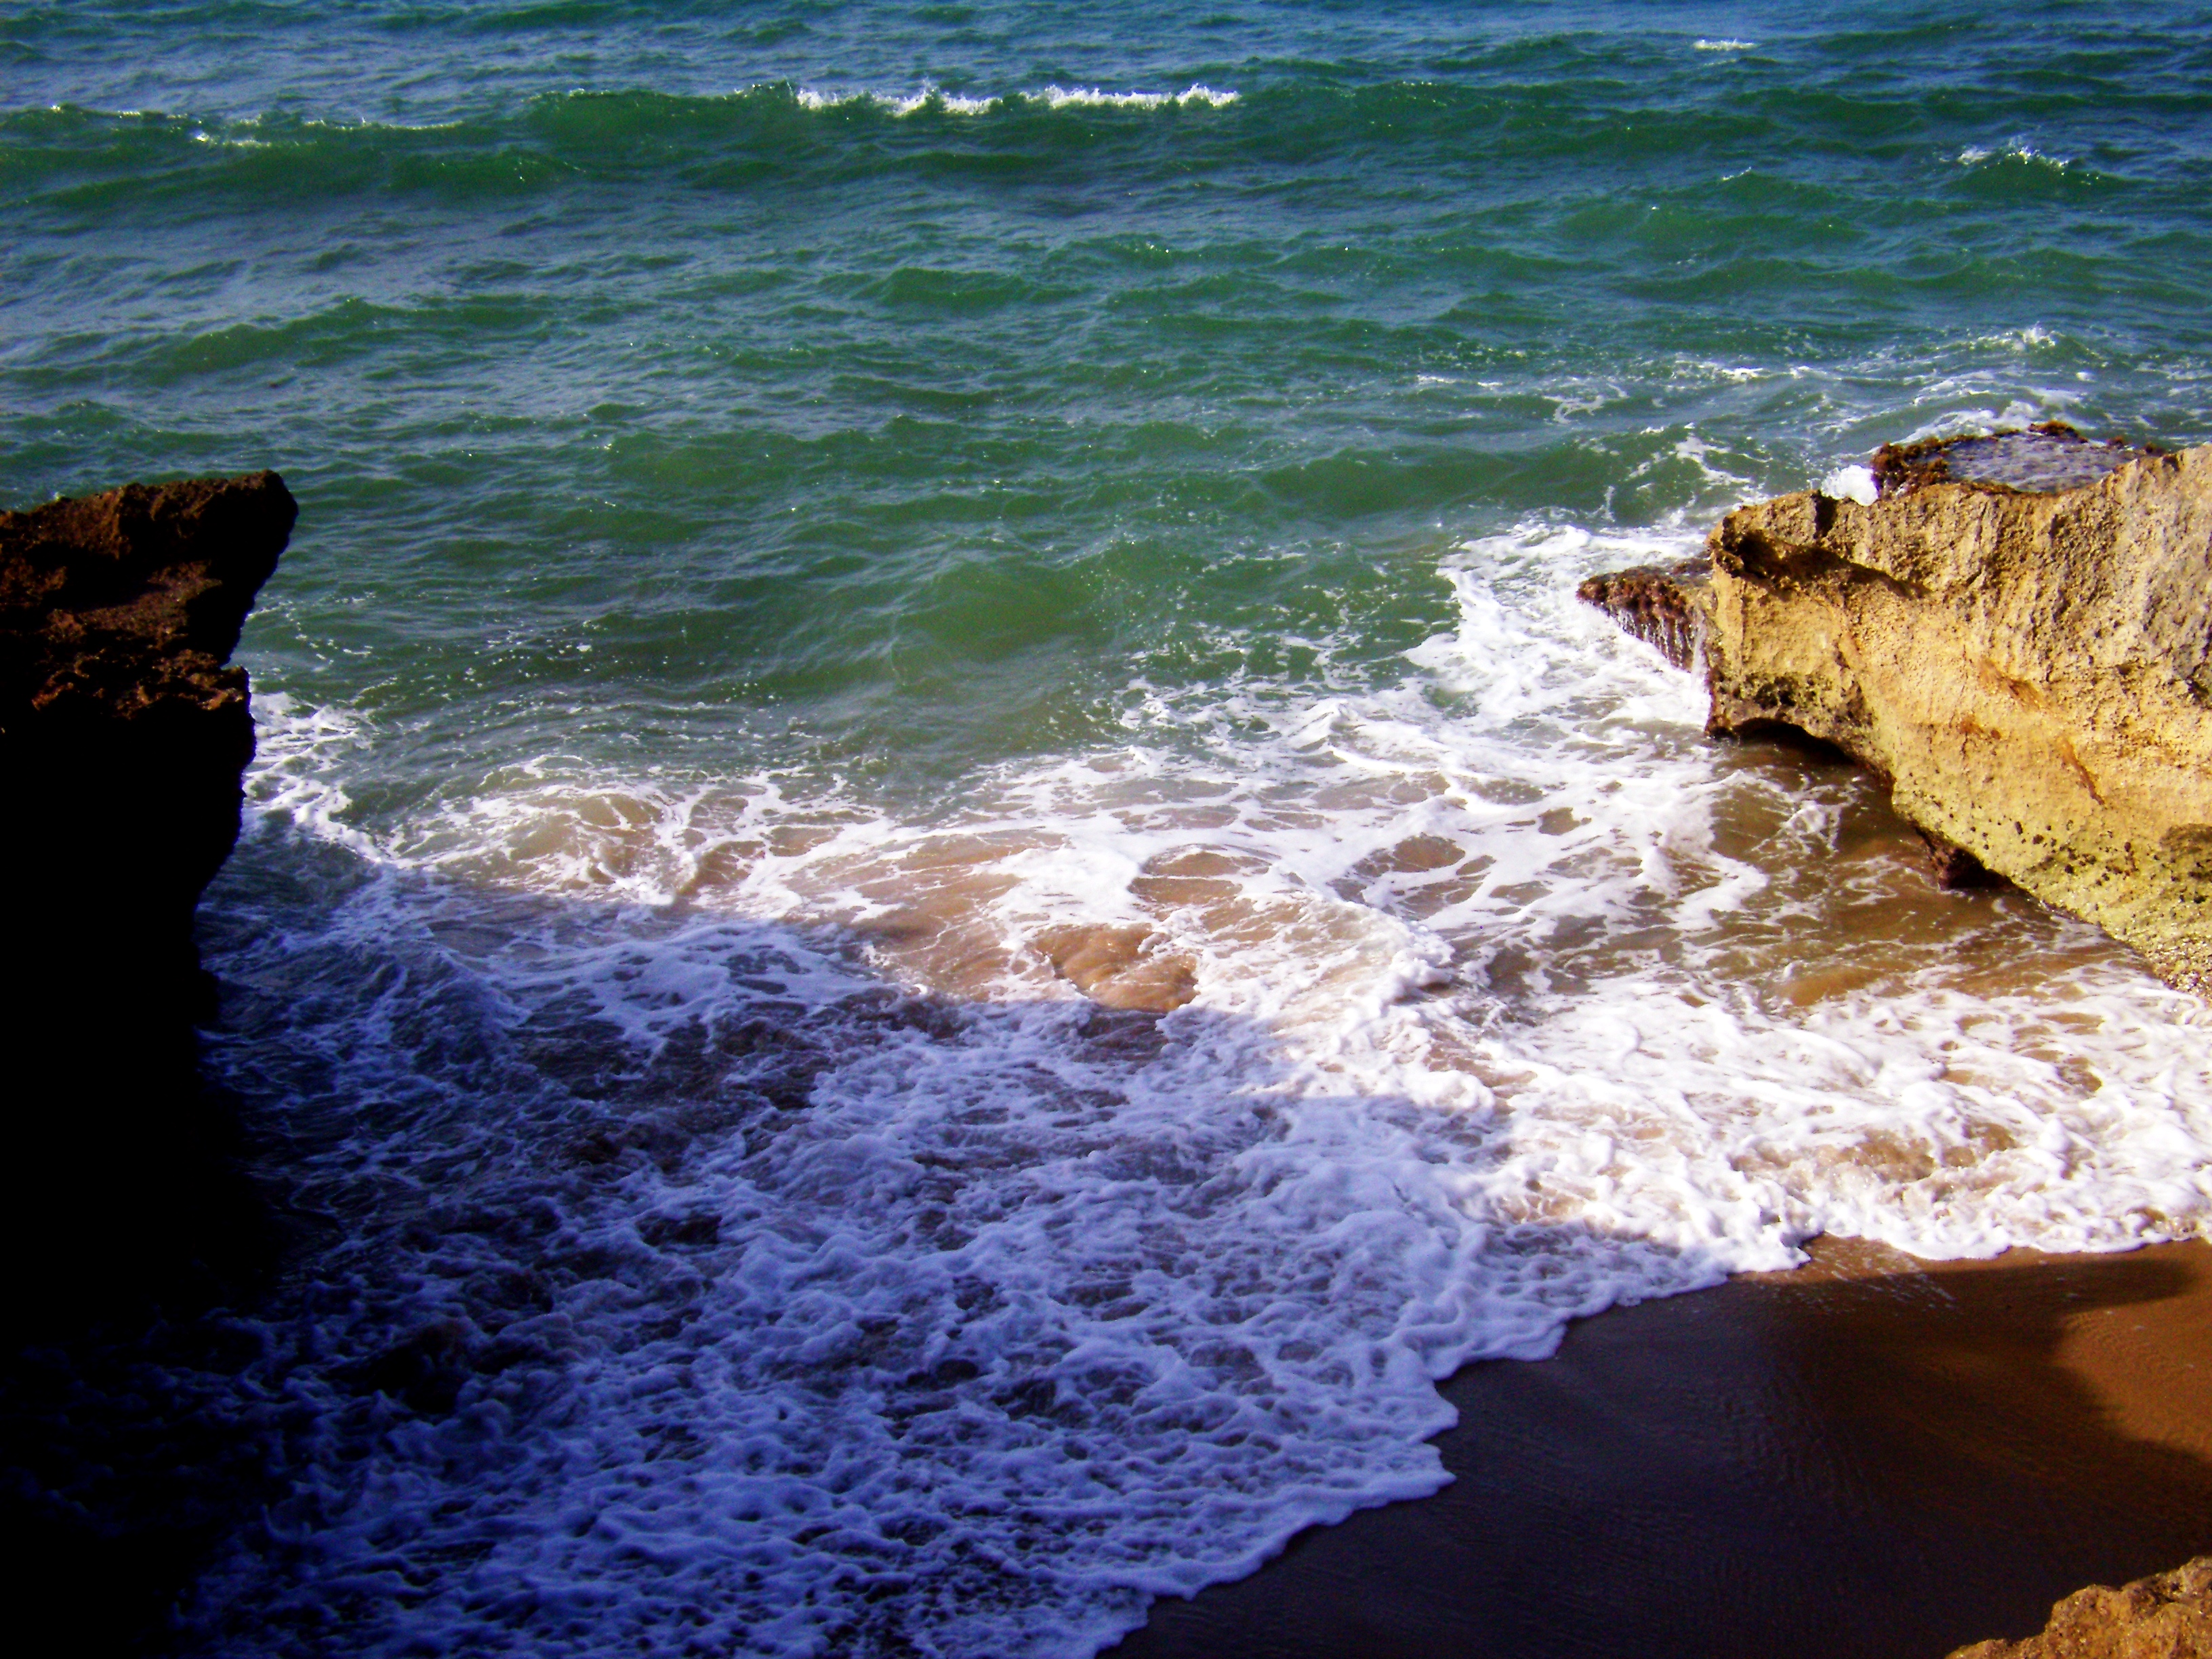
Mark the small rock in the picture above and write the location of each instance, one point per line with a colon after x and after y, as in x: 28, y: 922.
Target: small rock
x: 1659, y: 604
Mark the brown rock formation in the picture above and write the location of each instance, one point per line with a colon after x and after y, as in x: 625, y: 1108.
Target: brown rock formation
x: 2166, y: 1616
x: 1660, y: 604
x: 2031, y: 669
x: 123, y: 732
x: 123, y: 735
x: 2032, y: 672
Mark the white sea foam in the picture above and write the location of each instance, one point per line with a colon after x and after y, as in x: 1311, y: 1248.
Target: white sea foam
x: 1053, y: 97
x: 933, y: 98
x: 2018, y: 339
x: 299, y: 755
x: 1968, y: 407
x: 1695, y: 450
x: 900, y: 103
x: 1974, y: 155
x: 1723, y: 46
x: 1850, y: 483
x: 833, y: 1277
x: 1059, y: 97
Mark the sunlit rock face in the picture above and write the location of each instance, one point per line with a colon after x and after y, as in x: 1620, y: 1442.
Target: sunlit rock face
x: 2018, y: 635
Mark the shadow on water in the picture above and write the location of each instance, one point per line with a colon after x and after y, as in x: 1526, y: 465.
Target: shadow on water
x: 1892, y: 1465
x: 1864, y: 1468
x: 128, y: 1222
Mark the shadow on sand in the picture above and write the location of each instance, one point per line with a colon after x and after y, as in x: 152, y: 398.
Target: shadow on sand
x: 1867, y: 1468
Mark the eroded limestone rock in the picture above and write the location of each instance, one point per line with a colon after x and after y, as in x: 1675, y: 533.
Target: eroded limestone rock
x: 2031, y: 669
x: 2166, y: 1616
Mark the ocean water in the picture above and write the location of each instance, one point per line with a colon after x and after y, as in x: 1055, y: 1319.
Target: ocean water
x: 941, y: 888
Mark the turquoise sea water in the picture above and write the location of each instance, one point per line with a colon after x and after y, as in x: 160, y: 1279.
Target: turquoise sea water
x: 811, y: 513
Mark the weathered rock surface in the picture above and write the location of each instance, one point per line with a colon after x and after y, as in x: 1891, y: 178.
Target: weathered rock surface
x: 2049, y: 457
x: 2032, y: 669
x: 2166, y: 1616
x: 122, y: 734
x: 122, y: 730
x: 1663, y: 606
x: 2032, y: 672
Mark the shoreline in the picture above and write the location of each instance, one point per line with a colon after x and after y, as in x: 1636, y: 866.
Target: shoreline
x: 1870, y: 1457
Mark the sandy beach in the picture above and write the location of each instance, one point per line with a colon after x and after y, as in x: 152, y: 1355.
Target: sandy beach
x: 1874, y: 1457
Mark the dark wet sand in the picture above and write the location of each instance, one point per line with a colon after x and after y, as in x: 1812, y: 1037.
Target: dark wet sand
x: 1872, y: 1457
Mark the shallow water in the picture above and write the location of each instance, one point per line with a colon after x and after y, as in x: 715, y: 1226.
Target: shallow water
x: 830, y: 534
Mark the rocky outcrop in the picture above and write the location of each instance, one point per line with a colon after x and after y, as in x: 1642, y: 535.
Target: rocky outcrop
x: 2166, y: 1616
x: 1663, y: 606
x: 124, y: 731
x: 2030, y: 668
x: 124, y: 1213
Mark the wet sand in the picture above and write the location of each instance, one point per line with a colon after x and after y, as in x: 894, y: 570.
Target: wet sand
x: 1873, y: 1457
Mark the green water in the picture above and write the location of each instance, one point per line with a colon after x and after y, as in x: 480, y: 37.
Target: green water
x: 905, y: 441
x: 814, y: 517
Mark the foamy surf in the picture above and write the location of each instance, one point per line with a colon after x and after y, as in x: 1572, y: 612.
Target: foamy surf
x: 771, y: 1246
x: 1052, y: 96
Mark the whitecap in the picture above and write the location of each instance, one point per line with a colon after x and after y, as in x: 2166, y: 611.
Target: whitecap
x: 2014, y: 151
x: 1060, y: 97
x: 933, y: 98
